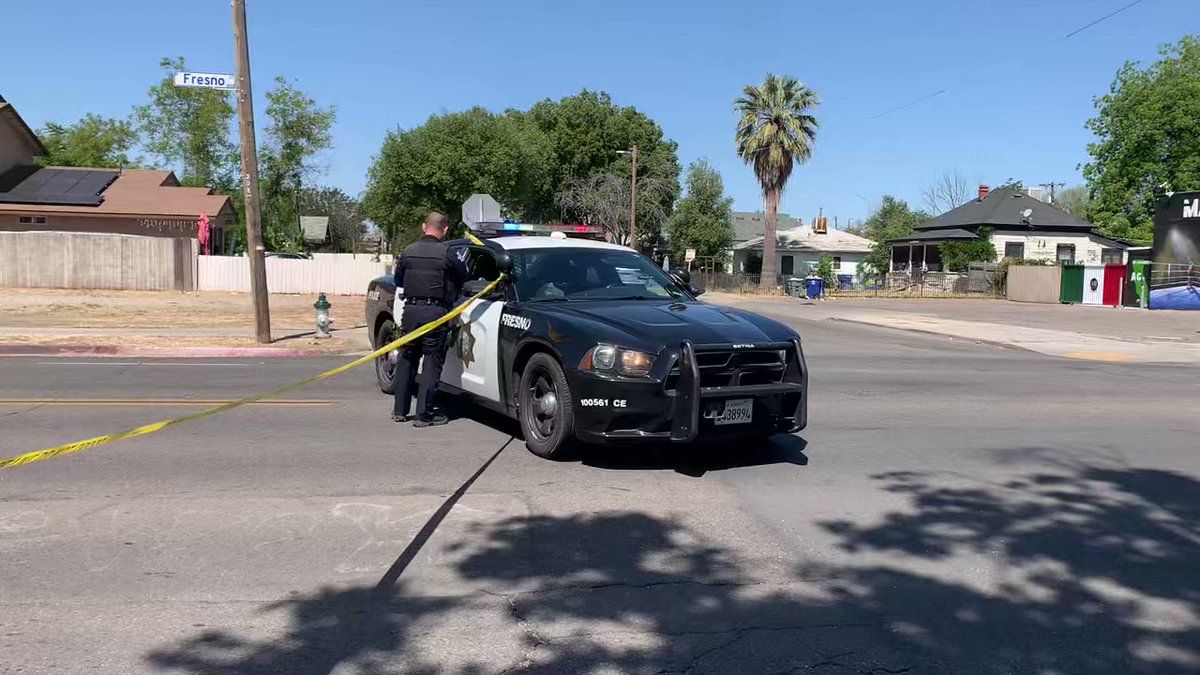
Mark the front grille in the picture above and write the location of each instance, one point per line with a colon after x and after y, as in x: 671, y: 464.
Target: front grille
x: 736, y: 368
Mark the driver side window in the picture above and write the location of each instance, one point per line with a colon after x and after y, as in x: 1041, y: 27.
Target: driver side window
x: 481, y: 264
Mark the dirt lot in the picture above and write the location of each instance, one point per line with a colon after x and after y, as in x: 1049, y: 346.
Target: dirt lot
x: 42, y: 308
x: 172, y: 320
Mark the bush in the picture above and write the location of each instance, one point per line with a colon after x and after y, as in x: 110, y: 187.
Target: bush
x: 957, y: 255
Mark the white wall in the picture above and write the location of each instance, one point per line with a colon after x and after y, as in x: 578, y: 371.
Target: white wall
x: 336, y: 273
x: 1041, y: 246
x: 94, y: 260
x: 803, y: 261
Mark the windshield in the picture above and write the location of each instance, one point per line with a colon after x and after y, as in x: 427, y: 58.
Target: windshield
x: 589, y: 274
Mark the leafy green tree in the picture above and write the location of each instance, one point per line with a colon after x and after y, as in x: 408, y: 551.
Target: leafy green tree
x: 891, y: 220
x: 957, y: 255
x: 190, y: 128
x: 1148, y: 138
x: 442, y: 162
x: 703, y: 220
x: 298, y: 131
x: 92, y: 141
x: 528, y: 160
x: 1075, y: 201
x: 347, y: 226
x: 586, y: 130
x: 775, y: 131
x: 824, y: 269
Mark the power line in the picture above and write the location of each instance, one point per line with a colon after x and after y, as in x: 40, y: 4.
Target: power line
x: 1104, y: 18
x: 910, y: 103
x: 1074, y: 32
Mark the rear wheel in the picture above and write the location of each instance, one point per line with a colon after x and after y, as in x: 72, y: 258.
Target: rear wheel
x: 546, y: 409
x: 385, y: 366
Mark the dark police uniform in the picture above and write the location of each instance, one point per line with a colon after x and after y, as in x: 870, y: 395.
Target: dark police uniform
x: 431, y: 276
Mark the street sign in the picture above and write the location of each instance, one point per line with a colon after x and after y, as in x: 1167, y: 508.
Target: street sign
x: 206, y: 80
x: 690, y: 255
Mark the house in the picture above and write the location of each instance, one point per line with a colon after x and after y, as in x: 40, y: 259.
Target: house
x: 1022, y: 226
x: 142, y: 202
x: 799, y: 248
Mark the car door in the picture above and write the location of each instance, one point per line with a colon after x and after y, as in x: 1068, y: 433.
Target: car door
x: 472, y: 359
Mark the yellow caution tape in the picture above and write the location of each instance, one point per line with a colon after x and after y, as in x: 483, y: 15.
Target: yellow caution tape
x: 39, y: 455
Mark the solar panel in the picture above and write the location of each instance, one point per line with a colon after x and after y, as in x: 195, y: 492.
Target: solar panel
x: 74, y: 187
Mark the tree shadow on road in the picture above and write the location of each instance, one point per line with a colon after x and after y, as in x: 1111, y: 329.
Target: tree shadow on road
x: 1063, y: 570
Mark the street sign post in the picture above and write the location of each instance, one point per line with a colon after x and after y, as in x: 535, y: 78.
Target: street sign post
x: 206, y: 80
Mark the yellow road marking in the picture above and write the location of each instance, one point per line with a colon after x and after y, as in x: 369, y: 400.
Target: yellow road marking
x: 1100, y: 356
x: 79, y: 446
x: 147, y: 402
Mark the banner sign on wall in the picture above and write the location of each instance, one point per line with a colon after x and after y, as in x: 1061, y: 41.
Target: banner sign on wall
x: 1174, y: 278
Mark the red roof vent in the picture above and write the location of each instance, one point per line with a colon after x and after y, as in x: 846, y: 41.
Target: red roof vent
x: 983, y: 191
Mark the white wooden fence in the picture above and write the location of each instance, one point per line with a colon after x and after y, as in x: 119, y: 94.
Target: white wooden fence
x: 335, y: 273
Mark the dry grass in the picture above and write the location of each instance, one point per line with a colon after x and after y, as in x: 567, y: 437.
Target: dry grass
x: 44, y: 308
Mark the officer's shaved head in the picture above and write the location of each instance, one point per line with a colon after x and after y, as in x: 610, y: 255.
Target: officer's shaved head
x: 436, y: 224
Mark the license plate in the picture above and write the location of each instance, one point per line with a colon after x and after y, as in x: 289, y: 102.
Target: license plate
x: 739, y: 411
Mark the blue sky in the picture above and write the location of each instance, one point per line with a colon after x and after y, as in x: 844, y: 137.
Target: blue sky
x: 1017, y: 93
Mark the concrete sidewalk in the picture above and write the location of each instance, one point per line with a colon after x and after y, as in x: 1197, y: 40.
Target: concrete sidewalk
x: 1072, y: 331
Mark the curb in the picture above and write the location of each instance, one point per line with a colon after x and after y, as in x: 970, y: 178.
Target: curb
x: 111, y: 351
x: 982, y: 341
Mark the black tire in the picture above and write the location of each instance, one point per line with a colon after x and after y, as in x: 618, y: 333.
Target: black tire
x: 547, y: 424
x: 385, y: 366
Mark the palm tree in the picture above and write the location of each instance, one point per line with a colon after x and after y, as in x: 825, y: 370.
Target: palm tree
x: 776, y: 131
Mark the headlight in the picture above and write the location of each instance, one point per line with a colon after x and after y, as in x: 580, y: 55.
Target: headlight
x: 610, y: 359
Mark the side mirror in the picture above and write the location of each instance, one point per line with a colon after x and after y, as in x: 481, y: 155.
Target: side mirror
x: 504, y: 263
x: 696, y: 291
x: 474, y: 286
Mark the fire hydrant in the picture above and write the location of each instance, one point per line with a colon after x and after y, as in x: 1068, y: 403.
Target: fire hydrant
x: 322, y: 306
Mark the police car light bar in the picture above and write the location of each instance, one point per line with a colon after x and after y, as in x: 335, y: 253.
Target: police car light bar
x: 510, y: 228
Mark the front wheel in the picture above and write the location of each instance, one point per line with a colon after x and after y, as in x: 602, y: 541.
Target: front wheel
x: 546, y: 409
x: 385, y: 366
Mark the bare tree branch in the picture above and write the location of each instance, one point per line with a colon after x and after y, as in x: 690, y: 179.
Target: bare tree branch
x: 948, y: 191
x: 603, y: 200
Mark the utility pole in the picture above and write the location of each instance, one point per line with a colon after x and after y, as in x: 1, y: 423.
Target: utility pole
x: 633, y: 204
x: 254, y: 238
x: 1050, y: 186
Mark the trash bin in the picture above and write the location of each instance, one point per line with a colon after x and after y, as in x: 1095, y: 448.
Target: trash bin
x: 814, y: 286
x: 795, y: 286
x: 845, y: 282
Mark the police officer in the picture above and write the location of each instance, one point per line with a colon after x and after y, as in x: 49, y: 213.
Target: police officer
x: 431, y: 276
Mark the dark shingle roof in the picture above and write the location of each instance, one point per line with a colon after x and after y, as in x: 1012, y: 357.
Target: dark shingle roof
x: 935, y: 235
x: 1003, y: 208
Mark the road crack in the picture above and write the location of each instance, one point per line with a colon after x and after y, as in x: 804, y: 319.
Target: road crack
x: 532, y: 639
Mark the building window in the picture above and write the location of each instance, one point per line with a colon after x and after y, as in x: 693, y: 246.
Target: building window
x: 837, y: 262
x: 787, y: 265
x: 1112, y: 256
x: 33, y: 220
x: 1014, y: 249
x: 1066, y: 254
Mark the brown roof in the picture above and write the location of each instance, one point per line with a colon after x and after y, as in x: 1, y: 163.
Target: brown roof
x: 139, y: 192
x: 7, y: 110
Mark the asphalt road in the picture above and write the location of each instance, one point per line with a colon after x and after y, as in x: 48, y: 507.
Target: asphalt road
x: 951, y: 508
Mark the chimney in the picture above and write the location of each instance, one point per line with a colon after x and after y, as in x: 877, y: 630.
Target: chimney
x: 983, y: 191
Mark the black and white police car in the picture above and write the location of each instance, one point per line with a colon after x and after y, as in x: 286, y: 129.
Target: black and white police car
x: 590, y: 341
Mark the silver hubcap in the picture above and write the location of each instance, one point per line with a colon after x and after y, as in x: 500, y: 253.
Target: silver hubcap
x: 549, y: 404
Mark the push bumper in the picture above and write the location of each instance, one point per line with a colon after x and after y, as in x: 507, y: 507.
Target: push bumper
x: 648, y: 412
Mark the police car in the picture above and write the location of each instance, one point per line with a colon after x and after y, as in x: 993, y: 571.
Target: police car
x: 591, y: 341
